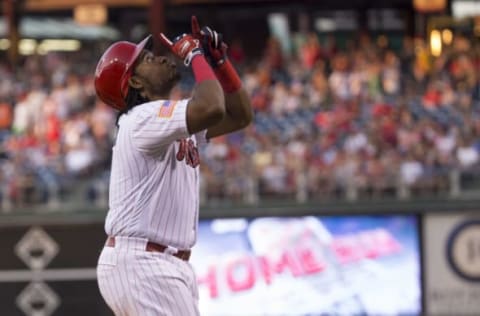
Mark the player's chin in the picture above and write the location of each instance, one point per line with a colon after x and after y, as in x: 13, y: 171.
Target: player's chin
x: 176, y: 76
x: 168, y: 85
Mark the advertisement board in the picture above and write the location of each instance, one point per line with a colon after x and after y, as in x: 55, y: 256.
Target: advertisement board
x: 328, y: 265
x: 49, y: 269
x: 452, y: 264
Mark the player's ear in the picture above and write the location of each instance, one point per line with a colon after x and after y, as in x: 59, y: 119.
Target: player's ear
x: 135, y: 82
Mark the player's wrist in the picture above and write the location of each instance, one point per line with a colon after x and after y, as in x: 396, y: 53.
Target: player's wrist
x: 228, y: 76
x: 218, y: 61
x: 201, y: 69
x: 192, y: 54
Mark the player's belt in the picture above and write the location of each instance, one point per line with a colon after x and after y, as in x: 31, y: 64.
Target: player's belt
x: 154, y: 247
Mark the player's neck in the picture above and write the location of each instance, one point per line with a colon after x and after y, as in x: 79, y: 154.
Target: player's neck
x: 152, y: 96
x: 159, y: 97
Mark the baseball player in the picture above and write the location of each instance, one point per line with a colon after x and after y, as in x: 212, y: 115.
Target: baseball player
x: 154, y: 186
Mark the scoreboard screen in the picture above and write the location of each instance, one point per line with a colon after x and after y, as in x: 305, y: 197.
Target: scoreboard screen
x: 328, y: 265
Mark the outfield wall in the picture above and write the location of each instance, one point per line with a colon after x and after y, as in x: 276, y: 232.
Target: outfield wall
x: 373, y: 258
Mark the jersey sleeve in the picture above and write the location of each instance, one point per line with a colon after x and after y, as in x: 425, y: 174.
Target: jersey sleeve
x: 201, y: 138
x: 158, y: 124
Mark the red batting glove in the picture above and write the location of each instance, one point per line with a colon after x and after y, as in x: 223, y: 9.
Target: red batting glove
x: 184, y: 46
x: 216, y: 54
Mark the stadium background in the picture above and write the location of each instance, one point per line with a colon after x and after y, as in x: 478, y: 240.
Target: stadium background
x: 366, y: 128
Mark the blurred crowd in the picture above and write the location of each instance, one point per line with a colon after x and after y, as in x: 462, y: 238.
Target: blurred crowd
x: 329, y: 120
x: 53, y: 130
x: 362, y: 120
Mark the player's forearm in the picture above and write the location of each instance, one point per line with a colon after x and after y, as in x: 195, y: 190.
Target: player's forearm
x: 207, y: 89
x: 237, y: 103
x: 238, y: 107
x: 207, y: 104
x: 208, y: 97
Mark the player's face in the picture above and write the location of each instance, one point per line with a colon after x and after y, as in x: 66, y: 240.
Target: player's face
x: 157, y: 74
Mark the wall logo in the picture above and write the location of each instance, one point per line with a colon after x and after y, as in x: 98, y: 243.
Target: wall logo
x: 37, y: 299
x: 37, y: 249
x: 463, y: 250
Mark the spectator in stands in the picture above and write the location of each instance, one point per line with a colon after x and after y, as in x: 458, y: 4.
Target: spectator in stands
x: 369, y: 118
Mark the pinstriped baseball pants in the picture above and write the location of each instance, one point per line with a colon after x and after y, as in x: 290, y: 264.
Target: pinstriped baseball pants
x: 135, y: 282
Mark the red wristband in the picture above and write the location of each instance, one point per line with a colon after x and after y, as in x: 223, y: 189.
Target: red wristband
x: 228, y: 77
x: 201, y: 69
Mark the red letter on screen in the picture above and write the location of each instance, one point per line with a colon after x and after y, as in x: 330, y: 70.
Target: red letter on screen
x: 346, y: 249
x: 210, y: 279
x: 267, y: 266
x: 240, y: 274
x: 309, y: 262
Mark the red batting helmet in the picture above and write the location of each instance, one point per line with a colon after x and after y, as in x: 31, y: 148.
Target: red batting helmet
x: 115, y: 68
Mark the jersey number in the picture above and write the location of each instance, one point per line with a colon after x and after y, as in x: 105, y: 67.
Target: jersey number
x: 188, y: 151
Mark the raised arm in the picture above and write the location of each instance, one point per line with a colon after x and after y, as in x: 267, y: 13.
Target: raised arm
x: 206, y: 107
x: 238, y: 110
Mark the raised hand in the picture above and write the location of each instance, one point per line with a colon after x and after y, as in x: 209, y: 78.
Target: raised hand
x: 184, y: 46
x: 212, y: 43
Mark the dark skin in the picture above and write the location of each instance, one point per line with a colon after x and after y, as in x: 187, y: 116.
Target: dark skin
x: 208, y: 108
x: 238, y: 114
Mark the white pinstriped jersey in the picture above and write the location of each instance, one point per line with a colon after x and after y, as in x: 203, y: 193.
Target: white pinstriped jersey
x: 152, y: 194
